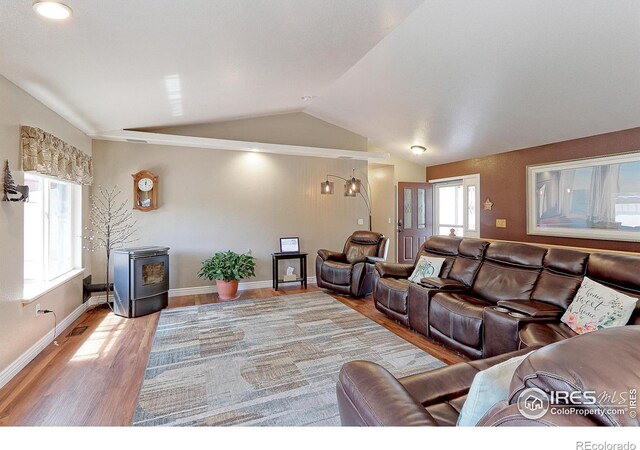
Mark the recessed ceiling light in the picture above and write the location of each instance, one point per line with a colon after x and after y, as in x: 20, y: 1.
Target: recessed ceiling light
x: 52, y: 10
x: 418, y: 149
x: 307, y: 98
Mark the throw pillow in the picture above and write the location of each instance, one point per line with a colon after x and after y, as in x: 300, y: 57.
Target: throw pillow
x: 596, y: 306
x: 489, y: 386
x: 427, y: 267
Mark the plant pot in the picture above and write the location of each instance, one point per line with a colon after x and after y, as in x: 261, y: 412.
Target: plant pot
x: 227, y: 290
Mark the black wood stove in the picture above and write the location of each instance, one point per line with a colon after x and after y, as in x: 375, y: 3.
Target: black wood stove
x: 140, y: 280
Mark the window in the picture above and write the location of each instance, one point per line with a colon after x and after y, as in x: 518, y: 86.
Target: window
x: 52, y: 220
x: 596, y: 198
x: 455, y: 206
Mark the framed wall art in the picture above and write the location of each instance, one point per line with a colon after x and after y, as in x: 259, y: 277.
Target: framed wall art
x: 594, y: 198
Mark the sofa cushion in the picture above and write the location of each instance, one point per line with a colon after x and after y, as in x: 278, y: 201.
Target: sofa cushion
x: 392, y: 293
x: 496, y: 282
x: 516, y: 254
x: 596, y: 306
x: 335, y: 272
x: 489, y: 387
x: 359, y: 252
x: 442, y: 245
x: 569, y: 262
x: 556, y: 289
x: 459, y: 317
x: 535, y: 334
x: 427, y: 267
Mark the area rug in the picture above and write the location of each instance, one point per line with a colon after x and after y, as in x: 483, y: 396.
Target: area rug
x: 266, y: 362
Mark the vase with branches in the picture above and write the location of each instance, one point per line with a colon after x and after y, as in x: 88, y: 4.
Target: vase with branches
x: 111, y: 225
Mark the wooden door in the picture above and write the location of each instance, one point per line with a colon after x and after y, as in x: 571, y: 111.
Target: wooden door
x: 414, y: 219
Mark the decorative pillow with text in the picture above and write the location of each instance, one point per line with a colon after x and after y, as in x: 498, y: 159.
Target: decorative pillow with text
x: 596, y: 306
x: 427, y: 267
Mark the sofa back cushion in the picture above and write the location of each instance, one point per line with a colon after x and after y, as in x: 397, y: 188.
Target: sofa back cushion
x: 619, y: 272
x: 440, y: 247
x: 561, y: 277
x: 466, y: 265
x: 509, y: 271
x: 362, y: 244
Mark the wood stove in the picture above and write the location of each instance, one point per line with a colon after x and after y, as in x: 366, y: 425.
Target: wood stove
x: 141, y: 280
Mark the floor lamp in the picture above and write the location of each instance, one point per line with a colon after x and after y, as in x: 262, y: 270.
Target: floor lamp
x: 352, y: 187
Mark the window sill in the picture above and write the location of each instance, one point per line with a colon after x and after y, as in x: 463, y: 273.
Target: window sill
x: 35, y: 292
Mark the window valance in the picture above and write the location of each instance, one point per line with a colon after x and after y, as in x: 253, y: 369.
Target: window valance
x: 44, y: 153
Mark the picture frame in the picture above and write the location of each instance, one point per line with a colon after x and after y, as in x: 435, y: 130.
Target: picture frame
x: 590, y: 198
x: 289, y: 244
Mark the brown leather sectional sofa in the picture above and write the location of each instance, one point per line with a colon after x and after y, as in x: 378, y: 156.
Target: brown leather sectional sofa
x: 494, y: 298
x: 604, y: 361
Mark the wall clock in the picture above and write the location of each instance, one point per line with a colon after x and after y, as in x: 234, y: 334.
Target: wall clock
x: 145, y: 191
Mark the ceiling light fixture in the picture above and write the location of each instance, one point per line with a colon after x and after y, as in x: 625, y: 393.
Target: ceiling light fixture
x: 52, y: 10
x: 307, y: 98
x: 418, y: 149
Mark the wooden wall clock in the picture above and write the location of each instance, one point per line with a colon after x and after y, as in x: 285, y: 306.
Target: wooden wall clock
x: 145, y: 191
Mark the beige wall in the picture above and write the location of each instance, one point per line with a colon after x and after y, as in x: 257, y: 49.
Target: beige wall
x: 290, y: 129
x: 383, y: 190
x: 19, y: 328
x: 211, y: 200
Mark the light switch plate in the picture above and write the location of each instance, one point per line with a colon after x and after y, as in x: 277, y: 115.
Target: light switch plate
x: 360, y: 221
x: 501, y: 223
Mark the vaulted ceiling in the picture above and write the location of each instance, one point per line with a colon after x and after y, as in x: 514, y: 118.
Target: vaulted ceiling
x: 462, y: 77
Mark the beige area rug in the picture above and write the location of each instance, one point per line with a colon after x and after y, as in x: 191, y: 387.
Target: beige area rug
x: 266, y: 362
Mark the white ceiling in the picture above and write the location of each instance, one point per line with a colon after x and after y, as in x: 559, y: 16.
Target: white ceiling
x: 462, y: 77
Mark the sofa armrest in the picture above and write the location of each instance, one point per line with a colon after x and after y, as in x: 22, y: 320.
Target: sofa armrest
x: 390, y: 270
x: 328, y: 255
x: 368, y: 395
x: 533, y: 308
x: 443, y: 284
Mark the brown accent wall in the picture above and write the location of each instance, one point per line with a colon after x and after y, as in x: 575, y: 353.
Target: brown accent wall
x: 503, y: 179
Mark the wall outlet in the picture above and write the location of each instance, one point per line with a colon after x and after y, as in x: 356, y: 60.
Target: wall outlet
x: 360, y: 221
x: 501, y: 223
x: 38, y: 309
x: 389, y: 219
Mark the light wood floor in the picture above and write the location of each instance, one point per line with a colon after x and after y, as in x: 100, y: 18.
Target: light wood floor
x: 94, y: 375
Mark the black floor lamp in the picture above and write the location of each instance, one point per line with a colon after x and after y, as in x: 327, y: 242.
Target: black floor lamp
x: 352, y: 187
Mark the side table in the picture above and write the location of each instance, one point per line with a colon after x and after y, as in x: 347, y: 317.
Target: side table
x: 302, y: 257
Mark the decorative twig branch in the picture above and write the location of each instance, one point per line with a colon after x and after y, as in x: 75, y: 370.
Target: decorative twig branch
x: 111, y: 225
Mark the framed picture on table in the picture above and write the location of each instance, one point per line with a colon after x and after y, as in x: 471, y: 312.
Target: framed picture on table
x: 289, y: 245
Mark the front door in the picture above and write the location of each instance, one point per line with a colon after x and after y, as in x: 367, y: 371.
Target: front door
x: 413, y: 221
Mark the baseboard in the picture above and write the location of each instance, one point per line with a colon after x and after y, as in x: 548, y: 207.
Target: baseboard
x: 202, y: 290
x: 12, y: 370
x: 244, y: 286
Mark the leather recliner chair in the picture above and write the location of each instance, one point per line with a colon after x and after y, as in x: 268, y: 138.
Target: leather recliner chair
x: 604, y: 361
x: 351, y: 271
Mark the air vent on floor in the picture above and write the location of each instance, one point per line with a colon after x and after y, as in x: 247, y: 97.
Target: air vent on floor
x: 77, y: 331
x: 138, y: 141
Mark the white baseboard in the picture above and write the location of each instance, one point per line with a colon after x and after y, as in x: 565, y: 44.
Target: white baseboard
x: 201, y: 290
x: 244, y: 286
x: 12, y: 370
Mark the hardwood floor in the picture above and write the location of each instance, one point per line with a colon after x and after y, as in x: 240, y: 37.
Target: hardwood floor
x: 94, y: 375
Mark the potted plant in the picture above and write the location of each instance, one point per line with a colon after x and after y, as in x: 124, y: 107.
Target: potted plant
x: 227, y: 268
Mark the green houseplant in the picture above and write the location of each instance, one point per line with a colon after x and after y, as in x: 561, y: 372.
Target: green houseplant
x: 227, y: 268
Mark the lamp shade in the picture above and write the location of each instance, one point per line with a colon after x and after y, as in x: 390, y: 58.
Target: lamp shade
x: 326, y: 187
x: 354, y: 185
x: 348, y: 189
